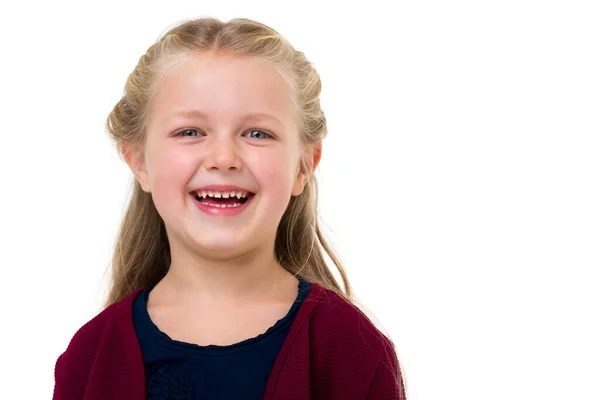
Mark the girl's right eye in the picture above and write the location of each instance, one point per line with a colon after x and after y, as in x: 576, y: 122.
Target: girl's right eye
x: 186, y: 131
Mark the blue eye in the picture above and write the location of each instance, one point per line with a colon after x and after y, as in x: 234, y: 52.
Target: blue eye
x: 183, y: 132
x: 253, y: 134
x: 256, y: 134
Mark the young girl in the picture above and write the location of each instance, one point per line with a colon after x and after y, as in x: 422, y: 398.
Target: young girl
x: 220, y: 288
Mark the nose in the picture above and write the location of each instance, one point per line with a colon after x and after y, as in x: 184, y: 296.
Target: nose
x: 222, y: 154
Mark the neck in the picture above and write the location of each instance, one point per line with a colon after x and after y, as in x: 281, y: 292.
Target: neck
x: 251, y: 276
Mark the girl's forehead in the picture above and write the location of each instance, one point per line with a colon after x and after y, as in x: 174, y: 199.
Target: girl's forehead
x: 222, y: 86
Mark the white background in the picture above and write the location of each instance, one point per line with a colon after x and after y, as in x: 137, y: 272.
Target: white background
x: 460, y: 180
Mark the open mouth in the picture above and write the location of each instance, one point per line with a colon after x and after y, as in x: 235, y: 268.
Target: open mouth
x: 215, y: 199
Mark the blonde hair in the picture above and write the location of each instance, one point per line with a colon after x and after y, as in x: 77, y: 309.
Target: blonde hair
x: 142, y: 254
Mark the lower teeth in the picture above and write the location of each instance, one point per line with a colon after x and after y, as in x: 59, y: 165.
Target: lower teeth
x: 221, y: 205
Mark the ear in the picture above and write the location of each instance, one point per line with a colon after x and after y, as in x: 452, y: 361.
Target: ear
x: 134, y: 158
x: 317, y: 155
x: 307, y: 169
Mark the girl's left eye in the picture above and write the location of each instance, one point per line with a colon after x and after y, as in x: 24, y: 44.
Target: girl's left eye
x: 256, y: 134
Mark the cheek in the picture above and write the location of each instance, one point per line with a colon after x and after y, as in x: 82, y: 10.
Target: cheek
x: 168, y: 169
x: 277, y: 172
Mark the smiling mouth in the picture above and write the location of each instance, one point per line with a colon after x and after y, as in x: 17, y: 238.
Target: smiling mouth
x: 231, y: 199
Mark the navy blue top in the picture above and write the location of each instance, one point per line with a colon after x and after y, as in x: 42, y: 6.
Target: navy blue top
x: 180, y: 371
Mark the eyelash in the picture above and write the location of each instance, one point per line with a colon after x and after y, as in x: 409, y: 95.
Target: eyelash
x: 267, y: 135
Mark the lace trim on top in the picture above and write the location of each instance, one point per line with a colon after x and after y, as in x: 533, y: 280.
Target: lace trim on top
x: 303, y: 291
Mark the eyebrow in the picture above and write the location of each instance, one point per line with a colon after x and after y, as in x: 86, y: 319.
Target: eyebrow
x: 245, y: 117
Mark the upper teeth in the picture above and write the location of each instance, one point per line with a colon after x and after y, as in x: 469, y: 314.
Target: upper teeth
x: 224, y: 195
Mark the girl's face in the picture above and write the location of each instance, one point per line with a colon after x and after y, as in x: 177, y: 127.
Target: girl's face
x: 220, y: 127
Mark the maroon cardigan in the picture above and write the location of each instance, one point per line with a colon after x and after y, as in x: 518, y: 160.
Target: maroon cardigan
x: 333, y: 351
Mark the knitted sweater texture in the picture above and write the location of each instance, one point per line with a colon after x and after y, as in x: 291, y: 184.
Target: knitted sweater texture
x: 333, y: 351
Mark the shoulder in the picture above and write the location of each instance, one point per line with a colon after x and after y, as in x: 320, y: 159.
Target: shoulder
x: 345, y: 342
x: 92, y: 331
x: 338, y: 318
x: 75, y: 363
x: 89, y: 336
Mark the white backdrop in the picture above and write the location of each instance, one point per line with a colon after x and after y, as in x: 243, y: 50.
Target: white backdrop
x: 460, y: 180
